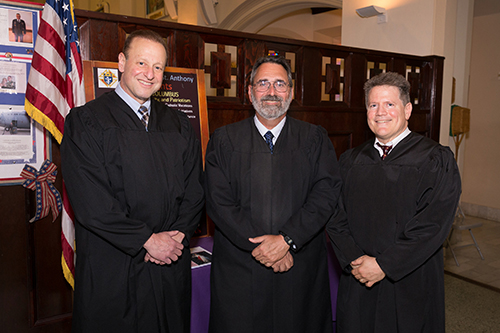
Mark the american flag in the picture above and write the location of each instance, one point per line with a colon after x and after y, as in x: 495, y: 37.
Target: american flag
x: 55, y: 85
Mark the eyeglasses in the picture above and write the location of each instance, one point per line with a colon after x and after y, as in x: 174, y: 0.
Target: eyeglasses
x: 264, y: 85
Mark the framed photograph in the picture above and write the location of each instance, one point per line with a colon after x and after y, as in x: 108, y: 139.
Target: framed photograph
x: 22, y: 141
x: 20, y: 27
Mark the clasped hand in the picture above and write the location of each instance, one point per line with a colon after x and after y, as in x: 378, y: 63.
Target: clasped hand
x: 367, y: 271
x: 272, y: 252
x: 164, y: 247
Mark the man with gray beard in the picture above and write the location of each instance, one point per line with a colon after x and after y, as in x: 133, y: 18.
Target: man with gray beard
x: 272, y: 182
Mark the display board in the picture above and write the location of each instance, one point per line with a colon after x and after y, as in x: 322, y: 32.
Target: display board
x: 22, y: 140
x: 182, y: 89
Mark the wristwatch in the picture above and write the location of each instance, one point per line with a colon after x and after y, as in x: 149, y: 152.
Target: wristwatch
x: 289, y: 241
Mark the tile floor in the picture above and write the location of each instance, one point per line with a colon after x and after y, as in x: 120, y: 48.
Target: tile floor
x: 471, y: 267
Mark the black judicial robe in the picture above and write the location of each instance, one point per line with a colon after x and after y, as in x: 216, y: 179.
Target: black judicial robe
x: 251, y: 192
x: 399, y: 210
x: 124, y: 184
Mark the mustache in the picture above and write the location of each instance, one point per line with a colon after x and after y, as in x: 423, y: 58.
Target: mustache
x: 271, y: 98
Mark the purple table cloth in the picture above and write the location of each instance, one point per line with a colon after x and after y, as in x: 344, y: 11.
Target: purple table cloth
x: 200, y: 294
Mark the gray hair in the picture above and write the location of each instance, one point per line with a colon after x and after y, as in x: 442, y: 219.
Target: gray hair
x: 275, y: 60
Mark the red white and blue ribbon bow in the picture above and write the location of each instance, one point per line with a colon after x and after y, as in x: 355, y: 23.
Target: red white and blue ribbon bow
x: 47, y: 195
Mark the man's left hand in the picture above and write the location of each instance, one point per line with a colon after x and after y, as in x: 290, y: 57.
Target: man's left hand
x: 284, y: 264
x: 271, y: 249
x: 148, y: 257
x: 367, y: 271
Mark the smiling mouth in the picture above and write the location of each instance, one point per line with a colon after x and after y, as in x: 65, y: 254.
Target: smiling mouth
x: 382, y: 121
x: 146, y: 83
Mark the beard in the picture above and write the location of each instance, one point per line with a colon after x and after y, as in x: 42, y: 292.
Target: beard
x: 271, y: 111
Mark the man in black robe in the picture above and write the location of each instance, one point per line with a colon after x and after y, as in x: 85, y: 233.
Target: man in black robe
x: 134, y: 182
x: 270, y: 202
x: 400, y: 193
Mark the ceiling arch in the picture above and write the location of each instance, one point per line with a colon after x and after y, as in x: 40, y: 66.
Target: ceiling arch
x: 253, y: 15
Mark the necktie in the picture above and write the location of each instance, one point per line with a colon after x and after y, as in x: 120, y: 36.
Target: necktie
x: 145, y: 116
x: 269, y: 140
x: 385, y: 149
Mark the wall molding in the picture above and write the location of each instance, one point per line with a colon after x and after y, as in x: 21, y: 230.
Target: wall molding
x: 489, y: 213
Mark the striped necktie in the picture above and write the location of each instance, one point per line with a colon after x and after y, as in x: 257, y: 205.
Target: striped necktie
x: 269, y: 140
x: 145, y: 116
x: 385, y: 149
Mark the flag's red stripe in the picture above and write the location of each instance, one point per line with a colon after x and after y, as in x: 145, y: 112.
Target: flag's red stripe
x: 48, y: 70
x: 48, y: 33
x: 66, y: 247
x: 78, y: 60
x: 68, y: 254
x: 42, y: 103
x: 69, y: 92
x: 67, y: 206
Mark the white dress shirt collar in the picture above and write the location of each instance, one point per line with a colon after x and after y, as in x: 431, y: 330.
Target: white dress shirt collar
x: 392, y: 143
x: 276, y: 130
x: 132, y: 103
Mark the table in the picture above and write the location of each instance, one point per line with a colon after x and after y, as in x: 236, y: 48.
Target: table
x: 200, y: 294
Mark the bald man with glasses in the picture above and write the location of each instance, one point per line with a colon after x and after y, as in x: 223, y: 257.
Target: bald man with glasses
x: 272, y: 183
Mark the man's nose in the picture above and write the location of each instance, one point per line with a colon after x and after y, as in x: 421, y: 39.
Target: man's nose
x: 271, y: 90
x: 149, y: 73
x: 381, y: 110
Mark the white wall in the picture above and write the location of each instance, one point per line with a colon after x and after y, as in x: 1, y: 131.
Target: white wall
x: 443, y: 43
x: 461, y: 70
x: 481, y: 179
x: 420, y: 27
x: 409, y: 28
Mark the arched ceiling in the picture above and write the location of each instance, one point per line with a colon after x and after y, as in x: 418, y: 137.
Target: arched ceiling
x: 253, y: 15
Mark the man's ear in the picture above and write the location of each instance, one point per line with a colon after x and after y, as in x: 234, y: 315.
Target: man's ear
x: 408, y: 109
x: 121, y: 62
x: 250, y: 92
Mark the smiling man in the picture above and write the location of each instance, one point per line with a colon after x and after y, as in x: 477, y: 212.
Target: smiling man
x: 272, y: 184
x: 132, y: 168
x: 399, y: 197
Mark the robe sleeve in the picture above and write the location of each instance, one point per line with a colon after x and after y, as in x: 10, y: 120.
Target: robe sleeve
x: 436, y: 202
x: 323, y: 194
x: 191, y: 207
x: 338, y: 230
x: 222, y: 205
x: 89, y: 190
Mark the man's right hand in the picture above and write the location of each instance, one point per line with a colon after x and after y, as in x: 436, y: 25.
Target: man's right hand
x: 163, y: 247
x: 284, y: 264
